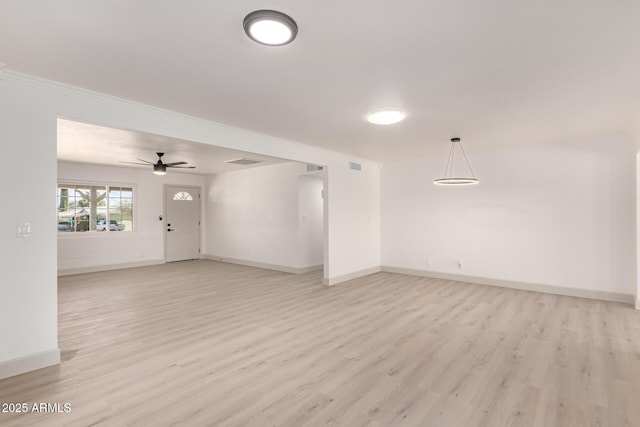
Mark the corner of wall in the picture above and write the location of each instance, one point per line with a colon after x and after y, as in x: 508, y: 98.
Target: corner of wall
x: 350, y: 276
x: 634, y: 129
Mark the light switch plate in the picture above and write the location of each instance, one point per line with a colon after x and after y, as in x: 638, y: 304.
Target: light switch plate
x: 24, y: 230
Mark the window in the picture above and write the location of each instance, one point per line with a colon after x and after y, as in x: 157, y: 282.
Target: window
x: 94, y: 208
x: 182, y: 195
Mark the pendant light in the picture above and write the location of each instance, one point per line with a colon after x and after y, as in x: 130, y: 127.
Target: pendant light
x: 448, y: 178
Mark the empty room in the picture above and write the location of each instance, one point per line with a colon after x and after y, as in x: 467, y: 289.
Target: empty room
x: 320, y: 213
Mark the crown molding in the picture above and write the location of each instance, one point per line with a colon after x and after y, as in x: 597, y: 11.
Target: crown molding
x: 64, y: 88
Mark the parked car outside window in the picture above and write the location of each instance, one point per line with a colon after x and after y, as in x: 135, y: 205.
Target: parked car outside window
x: 64, y: 226
x: 113, y: 225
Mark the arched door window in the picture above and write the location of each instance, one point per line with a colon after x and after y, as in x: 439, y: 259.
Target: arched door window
x: 182, y: 195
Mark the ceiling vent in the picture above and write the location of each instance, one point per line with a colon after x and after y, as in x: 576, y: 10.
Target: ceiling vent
x: 355, y: 166
x: 314, y: 168
x: 243, y: 161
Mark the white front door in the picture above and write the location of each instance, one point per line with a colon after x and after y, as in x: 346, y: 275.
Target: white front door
x: 182, y: 223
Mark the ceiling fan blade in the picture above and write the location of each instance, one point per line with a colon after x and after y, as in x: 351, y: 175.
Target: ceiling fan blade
x: 181, y: 167
x: 135, y: 163
x: 147, y: 162
x: 175, y: 164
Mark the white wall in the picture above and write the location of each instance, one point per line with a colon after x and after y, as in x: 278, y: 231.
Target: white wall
x: 29, y: 108
x: 146, y: 243
x: 310, y: 220
x: 354, y: 220
x: 637, y: 214
x: 635, y: 132
x: 255, y: 214
x: 559, y: 214
x: 252, y: 214
x: 28, y: 287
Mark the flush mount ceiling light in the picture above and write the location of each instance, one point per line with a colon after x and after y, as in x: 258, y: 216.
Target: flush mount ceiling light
x: 448, y: 178
x: 270, y: 27
x: 386, y: 117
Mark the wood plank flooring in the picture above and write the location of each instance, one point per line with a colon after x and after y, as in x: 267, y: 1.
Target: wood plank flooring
x: 204, y: 343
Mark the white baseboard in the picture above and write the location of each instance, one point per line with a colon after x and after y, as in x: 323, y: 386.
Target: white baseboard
x: 276, y: 267
x: 550, y: 289
x: 350, y: 276
x: 21, y: 365
x: 311, y: 268
x: 109, y: 267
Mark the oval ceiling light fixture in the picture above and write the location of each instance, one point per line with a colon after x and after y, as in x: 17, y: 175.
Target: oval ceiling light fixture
x: 386, y: 117
x: 448, y: 178
x: 270, y: 27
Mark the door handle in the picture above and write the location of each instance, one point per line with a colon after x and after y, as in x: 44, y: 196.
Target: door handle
x: 169, y: 229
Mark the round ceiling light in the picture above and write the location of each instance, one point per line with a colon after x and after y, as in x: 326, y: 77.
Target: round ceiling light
x: 270, y: 27
x: 386, y: 117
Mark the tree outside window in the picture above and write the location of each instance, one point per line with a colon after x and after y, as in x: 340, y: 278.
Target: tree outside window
x: 90, y: 208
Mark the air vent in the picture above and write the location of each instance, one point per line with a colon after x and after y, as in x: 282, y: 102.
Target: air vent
x: 314, y: 168
x: 243, y: 162
x: 355, y: 166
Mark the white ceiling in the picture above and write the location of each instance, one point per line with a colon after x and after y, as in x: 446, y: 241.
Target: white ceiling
x: 87, y: 143
x: 493, y: 72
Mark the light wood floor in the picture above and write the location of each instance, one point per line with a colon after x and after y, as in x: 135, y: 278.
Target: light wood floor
x: 205, y: 343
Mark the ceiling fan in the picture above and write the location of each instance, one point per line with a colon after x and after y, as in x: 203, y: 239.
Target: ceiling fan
x: 160, y: 168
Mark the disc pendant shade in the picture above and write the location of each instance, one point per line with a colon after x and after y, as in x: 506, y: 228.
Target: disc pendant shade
x: 449, y: 178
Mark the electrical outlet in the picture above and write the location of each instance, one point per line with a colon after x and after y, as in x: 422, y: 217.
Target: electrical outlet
x: 460, y: 263
x: 429, y: 262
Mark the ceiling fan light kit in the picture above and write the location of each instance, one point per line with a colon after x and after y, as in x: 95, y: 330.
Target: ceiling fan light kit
x: 160, y: 169
x: 448, y: 178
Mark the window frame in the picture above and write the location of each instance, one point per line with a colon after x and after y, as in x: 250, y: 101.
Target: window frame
x: 107, y: 185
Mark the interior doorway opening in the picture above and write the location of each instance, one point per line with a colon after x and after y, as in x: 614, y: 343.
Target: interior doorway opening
x: 311, y: 220
x: 249, y: 203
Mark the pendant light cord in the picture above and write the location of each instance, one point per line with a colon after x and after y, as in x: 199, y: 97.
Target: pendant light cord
x: 467, y: 159
x: 448, y: 170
